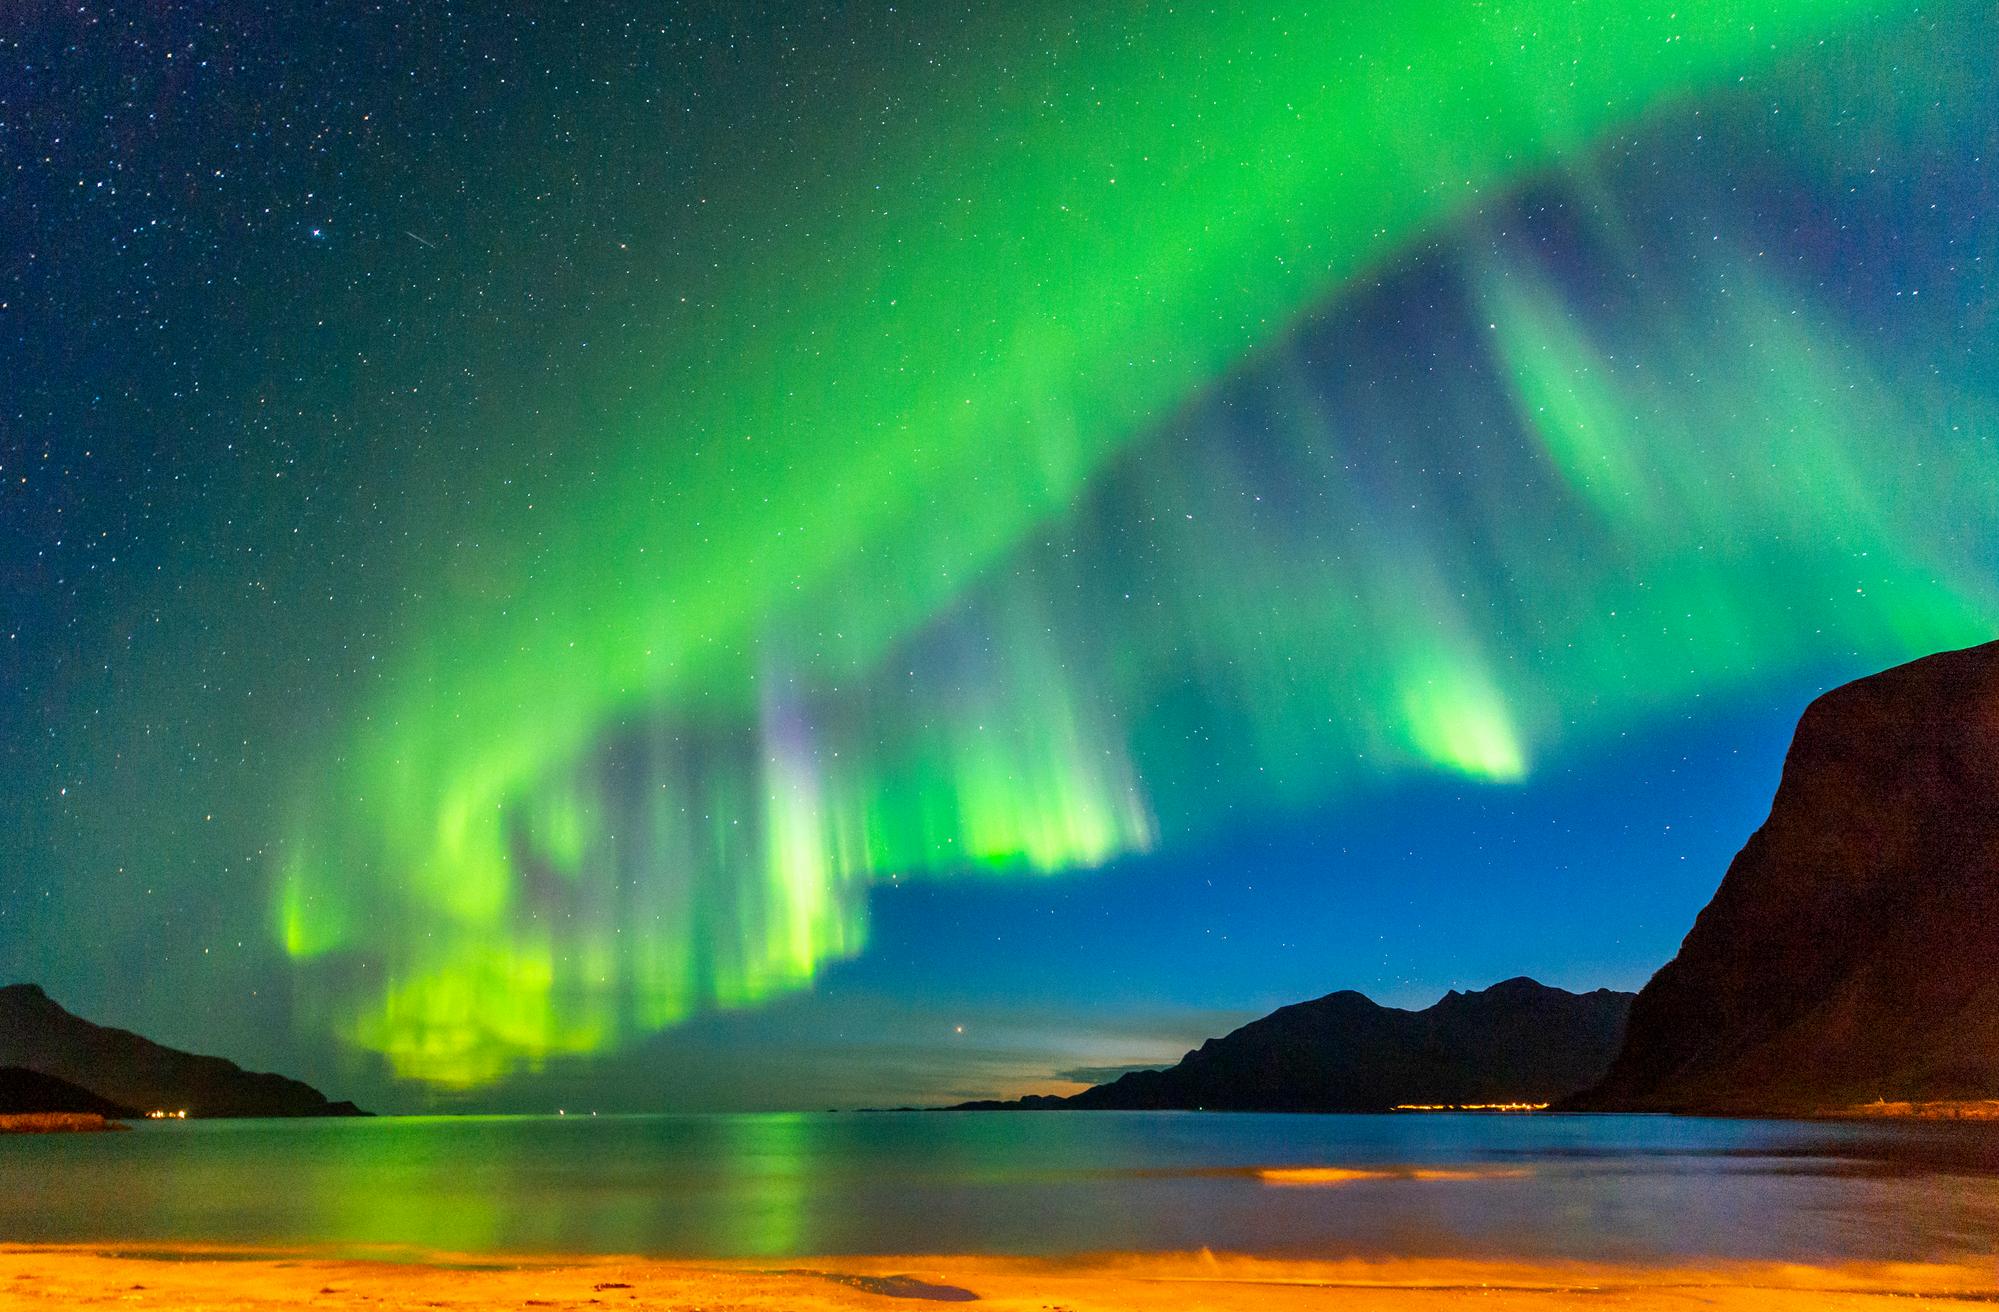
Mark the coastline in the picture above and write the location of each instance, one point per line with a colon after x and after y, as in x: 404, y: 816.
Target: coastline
x: 243, y: 1280
x: 58, y: 1123
x: 1950, y: 1109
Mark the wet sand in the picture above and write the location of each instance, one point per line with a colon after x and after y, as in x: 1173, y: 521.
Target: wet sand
x: 228, y: 1280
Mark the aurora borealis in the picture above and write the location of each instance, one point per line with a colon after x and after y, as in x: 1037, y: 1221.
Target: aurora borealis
x: 602, y: 526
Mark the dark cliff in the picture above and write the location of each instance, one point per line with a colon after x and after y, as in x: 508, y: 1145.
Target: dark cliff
x: 1852, y: 951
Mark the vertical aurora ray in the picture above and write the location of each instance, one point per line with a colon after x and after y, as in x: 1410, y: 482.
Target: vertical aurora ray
x: 937, y: 546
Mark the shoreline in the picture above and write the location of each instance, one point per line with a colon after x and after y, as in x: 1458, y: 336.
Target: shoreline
x: 234, y: 1279
x: 59, y: 1123
x: 1945, y: 1109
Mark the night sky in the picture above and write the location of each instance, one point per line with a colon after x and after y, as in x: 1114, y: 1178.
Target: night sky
x: 792, y: 556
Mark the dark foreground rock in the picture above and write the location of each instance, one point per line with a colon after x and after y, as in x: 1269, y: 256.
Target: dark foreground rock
x: 1516, y: 1042
x: 1852, y: 951
x: 129, y: 1071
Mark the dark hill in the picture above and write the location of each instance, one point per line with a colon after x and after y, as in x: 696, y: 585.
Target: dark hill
x: 24, y: 1090
x: 1852, y: 951
x: 1518, y: 1041
x: 39, y: 1035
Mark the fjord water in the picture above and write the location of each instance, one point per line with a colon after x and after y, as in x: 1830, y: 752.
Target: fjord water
x: 1601, y: 1187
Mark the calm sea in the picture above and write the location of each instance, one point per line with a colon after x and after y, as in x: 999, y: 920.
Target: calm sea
x: 1629, y: 1188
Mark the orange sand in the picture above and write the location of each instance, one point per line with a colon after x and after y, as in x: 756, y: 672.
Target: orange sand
x: 222, y: 1280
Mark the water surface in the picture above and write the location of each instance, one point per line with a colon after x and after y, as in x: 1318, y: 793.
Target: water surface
x: 1599, y: 1187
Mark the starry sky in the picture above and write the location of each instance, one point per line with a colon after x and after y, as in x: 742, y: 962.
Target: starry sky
x: 766, y: 556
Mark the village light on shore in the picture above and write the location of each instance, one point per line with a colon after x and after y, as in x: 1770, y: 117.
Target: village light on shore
x: 158, y: 1114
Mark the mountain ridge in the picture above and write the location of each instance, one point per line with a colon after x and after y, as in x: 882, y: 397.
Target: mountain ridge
x: 23, y: 1091
x: 128, y: 1070
x: 1518, y: 1041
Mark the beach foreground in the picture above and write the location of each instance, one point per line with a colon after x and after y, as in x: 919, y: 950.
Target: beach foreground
x: 223, y: 1280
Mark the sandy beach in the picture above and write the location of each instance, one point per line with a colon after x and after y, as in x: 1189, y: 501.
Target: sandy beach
x: 226, y: 1280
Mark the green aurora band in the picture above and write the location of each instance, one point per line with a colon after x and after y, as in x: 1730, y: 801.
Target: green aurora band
x: 853, y: 595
